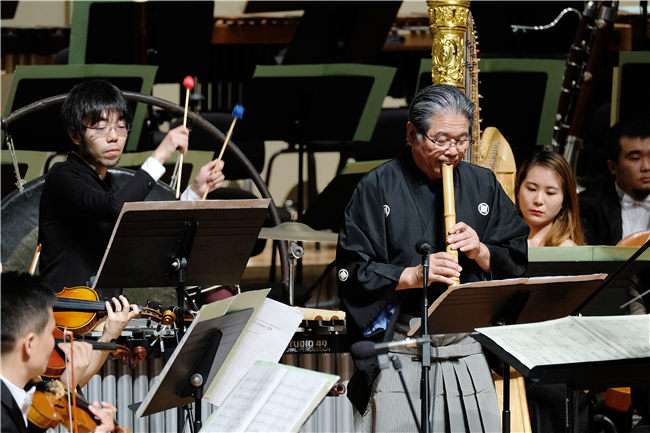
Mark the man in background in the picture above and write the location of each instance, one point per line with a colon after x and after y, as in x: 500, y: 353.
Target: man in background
x: 621, y: 206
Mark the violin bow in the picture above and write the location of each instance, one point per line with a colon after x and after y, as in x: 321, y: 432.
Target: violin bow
x: 188, y: 83
x: 37, y: 255
x: 72, y: 408
x: 237, y: 113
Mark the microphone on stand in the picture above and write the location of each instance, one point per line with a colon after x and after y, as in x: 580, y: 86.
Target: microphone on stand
x: 422, y: 247
x: 368, y: 349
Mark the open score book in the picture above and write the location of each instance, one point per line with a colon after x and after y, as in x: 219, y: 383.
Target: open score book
x: 271, y: 398
x: 574, y: 339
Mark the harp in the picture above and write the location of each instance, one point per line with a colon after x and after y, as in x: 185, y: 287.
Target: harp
x: 454, y: 61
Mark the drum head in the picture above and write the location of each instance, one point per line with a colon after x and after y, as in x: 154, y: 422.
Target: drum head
x: 19, y: 216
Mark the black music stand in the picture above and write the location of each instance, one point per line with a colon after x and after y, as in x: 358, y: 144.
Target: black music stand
x: 179, y: 243
x: 605, y: 373
x: 314, y: 108
x: 468, y: 306
x: 195, y: 363
x: 317, y: 107
x: 518, y: 300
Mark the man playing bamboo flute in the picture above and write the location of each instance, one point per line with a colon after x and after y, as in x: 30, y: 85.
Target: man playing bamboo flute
x: 379, y: 272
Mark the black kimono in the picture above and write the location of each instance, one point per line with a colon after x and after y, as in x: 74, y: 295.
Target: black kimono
x: 393, y: 208
x: 78, y: 211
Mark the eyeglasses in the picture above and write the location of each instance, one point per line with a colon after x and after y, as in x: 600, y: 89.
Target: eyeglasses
x: 103, y: 131
x: 446, y: 144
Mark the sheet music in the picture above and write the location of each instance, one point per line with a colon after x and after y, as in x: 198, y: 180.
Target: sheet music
x: 245, y: 400
x: 265, y: 339
x: 209, y: 312
x: 294, y: 395
x: 271, y: 397
x: 574, y: 339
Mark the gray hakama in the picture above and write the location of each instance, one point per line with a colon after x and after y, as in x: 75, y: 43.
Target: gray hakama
x: 462, y: 390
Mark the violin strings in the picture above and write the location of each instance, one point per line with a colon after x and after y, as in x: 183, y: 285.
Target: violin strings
x: 80, y: 304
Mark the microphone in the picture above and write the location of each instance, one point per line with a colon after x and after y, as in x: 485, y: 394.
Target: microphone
x: 422, y: 247
x: 368, y: 349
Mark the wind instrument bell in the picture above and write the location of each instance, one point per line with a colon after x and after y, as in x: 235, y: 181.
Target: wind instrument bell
x: 237, y: 113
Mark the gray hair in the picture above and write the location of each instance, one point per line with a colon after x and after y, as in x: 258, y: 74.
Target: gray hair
x: 438, y: 99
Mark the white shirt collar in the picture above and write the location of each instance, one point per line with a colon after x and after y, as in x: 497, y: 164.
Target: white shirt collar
x: 635, y: 214
x: 23, y: 398
x: 628, y: 201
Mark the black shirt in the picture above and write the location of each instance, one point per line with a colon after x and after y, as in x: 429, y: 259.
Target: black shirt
x: 77, y: 213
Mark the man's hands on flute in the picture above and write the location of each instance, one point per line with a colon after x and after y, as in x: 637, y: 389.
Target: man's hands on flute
x: 464, y: 238
x: 443, y: 266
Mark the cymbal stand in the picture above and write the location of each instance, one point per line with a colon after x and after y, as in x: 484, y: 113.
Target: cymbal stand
x: 295, y: 253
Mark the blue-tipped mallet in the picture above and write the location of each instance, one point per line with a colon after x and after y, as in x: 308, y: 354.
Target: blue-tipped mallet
x: 237, y: 113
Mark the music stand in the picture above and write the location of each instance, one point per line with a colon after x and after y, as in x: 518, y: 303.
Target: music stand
x: 518, y: 300
x: 602, y: 369
x: 304, y: 104
x: 179, y: 243
x: 589, y: 259
x: 468, y: 306
x: 34, y: 82
x: 195, y: 362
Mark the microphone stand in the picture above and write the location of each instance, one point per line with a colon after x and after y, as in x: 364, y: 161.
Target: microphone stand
x: 397, y: 365
x: 426, y: 348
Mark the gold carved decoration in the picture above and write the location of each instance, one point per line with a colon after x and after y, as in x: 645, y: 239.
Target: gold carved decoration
x: 448, y: 23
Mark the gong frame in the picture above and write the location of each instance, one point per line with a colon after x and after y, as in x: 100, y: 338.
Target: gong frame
x: 199, y: 121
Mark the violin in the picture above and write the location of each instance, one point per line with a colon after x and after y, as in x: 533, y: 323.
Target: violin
x: 50, y: 408
x: 56, y: 364
x: 78, y: 308
x: 130, y: 356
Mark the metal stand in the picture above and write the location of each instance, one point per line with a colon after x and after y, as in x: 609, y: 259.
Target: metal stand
x: 194, y: 384
x: 397, y: 365
x: 505, y: 414
x: 295, y: 253
x: 179, y: 266
x: 197, y: 383
x: 425, y: 393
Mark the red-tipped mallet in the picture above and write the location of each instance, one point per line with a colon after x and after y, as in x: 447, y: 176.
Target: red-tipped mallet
x: 237, y: 113
x: 188, y: 83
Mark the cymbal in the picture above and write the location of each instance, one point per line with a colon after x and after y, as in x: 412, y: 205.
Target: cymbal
x: 294, y: 231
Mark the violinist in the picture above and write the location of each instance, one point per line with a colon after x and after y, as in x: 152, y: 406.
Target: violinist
x: 80, y: 202
x: 27, y: 324
x: 87, y: 361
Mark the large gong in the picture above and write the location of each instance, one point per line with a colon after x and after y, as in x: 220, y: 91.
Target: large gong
x: 20, y: 209
x: 19, y: 216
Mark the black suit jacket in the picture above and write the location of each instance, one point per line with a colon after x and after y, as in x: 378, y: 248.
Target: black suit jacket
x: 12, y: 418
x: 78, y: 211
x: 600, y: 212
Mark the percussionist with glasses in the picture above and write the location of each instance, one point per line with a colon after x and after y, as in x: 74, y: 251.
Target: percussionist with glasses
x: 81, y: 200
